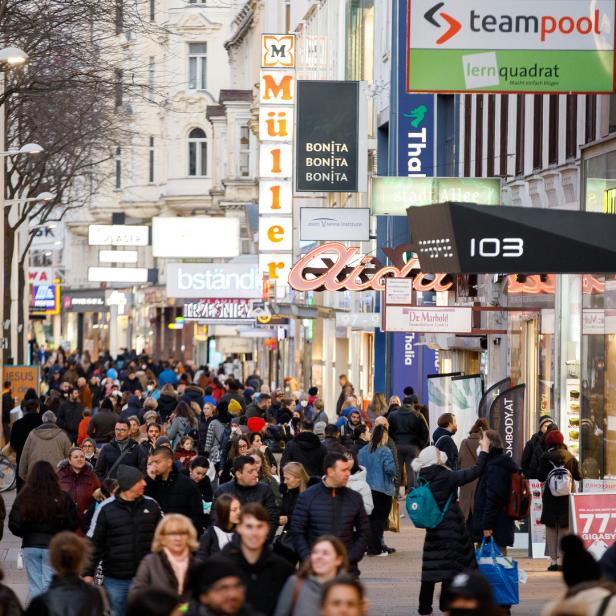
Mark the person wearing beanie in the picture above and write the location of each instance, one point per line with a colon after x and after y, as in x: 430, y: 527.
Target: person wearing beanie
x: 121, y: 532
x: 255, y: 424
x: 470, y: 593
x: 307, y: 449
x: 535, y: 448
x: 555, y: 514
x: 234, y: 408
x: 233, y: 393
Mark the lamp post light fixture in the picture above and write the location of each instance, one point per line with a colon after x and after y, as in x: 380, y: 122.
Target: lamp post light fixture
x: 13, y: 56
x: 44, y: 196
x: 28, y: 148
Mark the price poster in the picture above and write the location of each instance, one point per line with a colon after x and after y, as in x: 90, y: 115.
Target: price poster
x: 594, y: 520
x: 537, y: 530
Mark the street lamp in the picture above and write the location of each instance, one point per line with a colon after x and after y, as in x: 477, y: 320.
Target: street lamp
x: 44, y: 196
x: 13, y: 56
x: 28, y: 148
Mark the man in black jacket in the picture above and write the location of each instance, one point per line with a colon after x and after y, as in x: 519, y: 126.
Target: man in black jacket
x: 247, y: 488
x: 173, y: 491
x: 307, y: 449
x: 442, y: 438
x: 410, y: 433
x: 535, y: 448
x: 121, y: 532
x: 22, y: 428
x: 263, y: 572
x: 330, y: 508
x: 260, y: 407
x: 101, y: 426
x: 71, y: 414
x: 122, y: 450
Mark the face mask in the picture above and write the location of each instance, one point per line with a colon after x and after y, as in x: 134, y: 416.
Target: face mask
x: 304, y: 403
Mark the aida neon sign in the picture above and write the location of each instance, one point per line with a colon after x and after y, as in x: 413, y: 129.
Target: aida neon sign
x: 334, y: 267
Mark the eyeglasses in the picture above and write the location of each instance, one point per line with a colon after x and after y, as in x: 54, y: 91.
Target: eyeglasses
x: 88, y: 446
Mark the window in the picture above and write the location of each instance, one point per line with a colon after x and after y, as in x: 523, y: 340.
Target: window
x: 571, y: 132
x: 197, y: 153
x: 118, y: 168
x: 553, y: 130
x: 479, y: 136
x: 520, y: 113
x: 244, y: 149
x: 119, y: 86
x: 152, y: 10
x: 504, y: 134
x: 151, y: 75
x: 591, y: 117
x: 537, y: 131
x: 151, y: 161
x: 197, y: 66
x: 491, y: 133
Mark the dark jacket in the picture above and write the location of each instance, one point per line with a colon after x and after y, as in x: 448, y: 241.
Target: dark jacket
x: 468, y: 459
x: 491, y: 499
x: 101, y: 426
x: 608, y: 564
x: 111, y: 452
x: 155, y: 571
x: 9, y: 602
x: 407, y: 427
x: 307, y: 449
x: 261, y: 493
x: 448, y: 548
x: 194, y: 608
x: 531, y: 457
x: 333, y: 445
x: 166, y: 406
x: 79, y: 486
x: 39, y: 534
x: 131, y: 385
x: 289, y: 500
x: 70, y: 415
x: 447, y: 445
x: 253, y: 410
x: 264, y: 579
x: 121, y: 533
x: 20, y: 431
x: 69, y: 596
x: 208, y: 544
x: 179, y: 494
x: 195, y: 394
x: 327, y: 511
x: 556, y: 508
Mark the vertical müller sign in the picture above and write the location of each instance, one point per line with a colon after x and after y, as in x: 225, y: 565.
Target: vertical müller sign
x: 276, y: 118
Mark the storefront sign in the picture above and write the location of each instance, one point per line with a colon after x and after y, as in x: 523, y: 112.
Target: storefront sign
x: 40, y: 275
x: 118, y: 274
x: 118, y: 235
x: 507, y: 418
x: 45, y: 299
x: 594, y: 520
x: 47, y: 236
x: 358, y: 320
x: 92, y: 300
x: 428, y: 320
x: 491, y: 394
x: 330, y: 152
x: 393, y: 196
x: 21, y: 379
x: 411, y: 363
x: 334, y: 267
x: 499, y: 46
x: 334, y: 224
x: 398, y: 291
x: 276, y: 233
x: 219, y: 309
x: 213, y: 280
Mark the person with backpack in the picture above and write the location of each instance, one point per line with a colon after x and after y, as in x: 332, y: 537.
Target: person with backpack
x: 433, y: 505
x: 535, y: 448
x: 558, y: 468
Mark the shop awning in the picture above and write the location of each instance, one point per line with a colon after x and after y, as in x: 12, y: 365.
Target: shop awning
x: 466, y: 238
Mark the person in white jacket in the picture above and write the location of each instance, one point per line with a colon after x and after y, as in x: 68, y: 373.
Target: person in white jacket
x: 357, y: 482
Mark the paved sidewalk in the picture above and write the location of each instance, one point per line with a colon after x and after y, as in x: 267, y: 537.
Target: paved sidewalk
x: 392, y: 581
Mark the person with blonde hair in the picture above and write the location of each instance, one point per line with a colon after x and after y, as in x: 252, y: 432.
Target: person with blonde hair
x: 166, y: 567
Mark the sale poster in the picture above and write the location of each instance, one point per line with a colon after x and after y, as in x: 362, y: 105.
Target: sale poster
x: 537, y: 530
x: 594, y: 520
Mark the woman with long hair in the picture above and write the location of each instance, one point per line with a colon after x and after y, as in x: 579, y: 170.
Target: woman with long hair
x: 227, y: 508
x: 468, y: 459
x: 40, y: 511
x: 377, y: 459
x: 173, y: 548
x: 377, y: 407
x: 239, y: 447
x: 301, y: 595
x: 265, y: 472
x: 256, y: 441
x: 183, y: 422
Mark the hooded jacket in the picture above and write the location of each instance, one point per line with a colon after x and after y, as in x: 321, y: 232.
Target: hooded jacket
x: 166, y: 405
x: 79, y: 486
x: 69, y: 595
x: 70, y: 415
x: 357, y: 482
x: 407, y: 427
x: 307, y: 449
x: 132, y: 408
x: 47, y: 442
x: 443, y: 437
x: 101, y: 426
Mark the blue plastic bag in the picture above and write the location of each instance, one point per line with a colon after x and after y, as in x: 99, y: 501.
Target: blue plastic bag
x: 500, y: 571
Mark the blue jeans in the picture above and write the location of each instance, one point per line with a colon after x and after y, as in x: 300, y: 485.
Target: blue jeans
x: 117, y: 591
x: 36, y: 563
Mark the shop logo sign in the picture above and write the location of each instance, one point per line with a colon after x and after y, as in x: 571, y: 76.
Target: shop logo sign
x: 278, y: 51
x: 454, y: 24
x: 417, y: 115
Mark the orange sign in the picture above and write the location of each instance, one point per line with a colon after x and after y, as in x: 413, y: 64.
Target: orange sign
x: 278, y: 51
x: 21, y: 378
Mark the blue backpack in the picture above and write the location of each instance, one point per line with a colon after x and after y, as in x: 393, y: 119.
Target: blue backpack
x: 422, y: 508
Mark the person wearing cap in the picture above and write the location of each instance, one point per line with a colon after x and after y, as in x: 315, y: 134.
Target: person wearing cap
x: 121, y: 450
x: 70, y: 414
x: 470, y: 594
x: 218, y: 590
x: 121, y: 531
x: 233, y: 388
x: 555, y: 514
x: 260, y: 407
x: 535, y: 448
x: 307, y: 449
x: 102, y: 424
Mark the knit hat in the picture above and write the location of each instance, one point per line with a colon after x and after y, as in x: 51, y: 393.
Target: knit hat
x: 235, y: 408
x: 209, y: 400
x: 255, y: 424
x: 428, y: 457
x: 578, y: 564
x: 545, y: 419
x: 161, y: 441
x: 210, y: 571
x: 313, y: 391
x: 553, y: 438
x: 127, y: 477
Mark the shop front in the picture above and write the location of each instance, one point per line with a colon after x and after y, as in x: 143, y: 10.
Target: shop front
x: 85, y: 320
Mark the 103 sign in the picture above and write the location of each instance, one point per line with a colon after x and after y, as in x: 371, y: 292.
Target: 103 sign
x: 493, y: 247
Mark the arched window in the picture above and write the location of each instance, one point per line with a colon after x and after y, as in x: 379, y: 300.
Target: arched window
x: 197, y: 153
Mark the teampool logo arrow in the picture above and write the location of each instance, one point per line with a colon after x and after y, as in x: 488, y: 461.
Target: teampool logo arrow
x: 454, y: 24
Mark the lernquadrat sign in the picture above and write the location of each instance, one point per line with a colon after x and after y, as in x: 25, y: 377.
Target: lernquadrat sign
x: 502, y: 46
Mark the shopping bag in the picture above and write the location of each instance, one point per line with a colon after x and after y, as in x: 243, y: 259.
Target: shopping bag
x: 393, y: 520
x: 500, y: 571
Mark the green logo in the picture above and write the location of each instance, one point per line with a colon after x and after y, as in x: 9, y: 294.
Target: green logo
x: 417, y: 115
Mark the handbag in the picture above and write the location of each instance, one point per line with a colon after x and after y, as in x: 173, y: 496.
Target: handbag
x: 393, y: 519
x: 500, y: 571
x: 284, y: 541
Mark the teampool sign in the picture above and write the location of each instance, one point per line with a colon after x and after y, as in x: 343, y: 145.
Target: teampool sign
x: 504, y: 46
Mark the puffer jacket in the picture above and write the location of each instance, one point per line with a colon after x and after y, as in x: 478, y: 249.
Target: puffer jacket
x: 357, y: 482
x: 380, y: 468
x: 407, y: 427
x: 307, y: 449
x: 321, y: 510
x: 47, y: 442
x: 79, y: 486
x: 69, y: 418
x: 121, y: 532
x: 448, y: 548
x: 69, y: 596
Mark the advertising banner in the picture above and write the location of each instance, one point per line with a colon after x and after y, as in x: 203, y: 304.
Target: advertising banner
x: 507, y: 417
x: 21, y: 378
x: 334, y: 224
x: 594, y: 520
x: 330, y: 156
x: 536, y: 529
x: 439, y: 396
x: 213, y: 280
x: 45, y: 299
x: 491, y: 394
x: 466, y: 393
x: 440, y: 320
x: 499, y: 46
x: 219, y: 309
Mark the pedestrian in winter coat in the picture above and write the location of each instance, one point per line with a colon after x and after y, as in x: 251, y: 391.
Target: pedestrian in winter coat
x: 227, y: 509
x: 468, y: 459
x: 102, y: 424
x: 166, y: 567
x: 78, y: 480
x: 260, y: 407
x: 332, y: 508
x: 490, y: 519
x: 608, y: 564
x: 47, y: 442
x: 40, y: 511
x: 535, y: 448
x: 133, y: 409
x: 555, y: 514
x: 167, y: 401
x: 448, y: 549
x: 307, y: 449
x: 68, y: 593
x: 358, y: 482
x: 215, y: 434
x: 301, y: 595
x: 21, y: 430
x: 183, y: 422
x: 121, y: 532
x: 70, y: 415
x: 442, y: 438
x: 122, y: 450
x: 381, y: 473
x: 383, y: 421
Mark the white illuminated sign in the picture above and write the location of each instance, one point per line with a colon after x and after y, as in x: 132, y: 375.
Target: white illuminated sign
x: 275, y: 233
x: 213, y: 280
x: 118, y: 256
x: 117, y: 274
x: 118, y: 235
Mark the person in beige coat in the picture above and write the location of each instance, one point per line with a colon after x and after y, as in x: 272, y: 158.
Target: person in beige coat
x: 47, y: 442
x: 468, y: 459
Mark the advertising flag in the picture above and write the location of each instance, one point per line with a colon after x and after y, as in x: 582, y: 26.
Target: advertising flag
x: 507, y: 418
x: 490, y: 395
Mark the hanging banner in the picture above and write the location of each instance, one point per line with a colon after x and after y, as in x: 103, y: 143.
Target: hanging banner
x: 466, y: 393
x: 594, y: 520
x: 491, y: 394
x: 21, y: 379
x: 439, y: 396
x: 507, y: 418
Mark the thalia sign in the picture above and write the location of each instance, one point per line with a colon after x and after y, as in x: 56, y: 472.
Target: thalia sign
x: 213, y: 280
